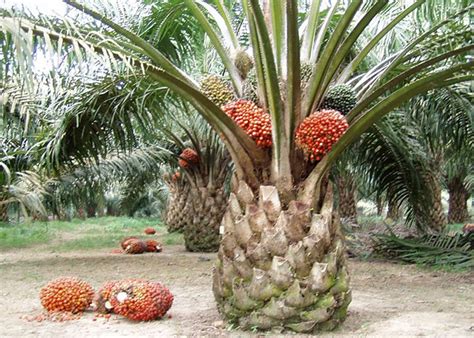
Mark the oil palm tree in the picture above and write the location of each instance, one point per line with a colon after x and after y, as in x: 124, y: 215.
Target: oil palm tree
x: 198, y: 194
x: 445, y: 128
x: 281, y: 261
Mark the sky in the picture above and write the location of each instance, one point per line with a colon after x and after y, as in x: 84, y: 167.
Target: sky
x: 56, y: 7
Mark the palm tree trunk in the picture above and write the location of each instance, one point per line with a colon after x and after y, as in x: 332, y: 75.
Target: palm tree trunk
x: 179, y: 207
x: 436, y: 217
x: 347, y: 201
x: 281, y: 266
x: 458, y: 196
x: 201, y: 233
x: 3, y: 213
x: 380, y: 204
x: 393, y: 211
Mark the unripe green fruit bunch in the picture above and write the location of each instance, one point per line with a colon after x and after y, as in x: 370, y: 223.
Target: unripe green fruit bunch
x: 318, y: 132
x: 252, y: 119
x: 341, y: 98
x: 217, y: 89
x: 141, y: 300
x: 68, y: 294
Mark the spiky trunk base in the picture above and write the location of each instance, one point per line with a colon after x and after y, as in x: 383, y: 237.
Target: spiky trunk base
x: 281, y: 267
x: 179, y: 209
x: 458, y: 196
x: 201, y: 233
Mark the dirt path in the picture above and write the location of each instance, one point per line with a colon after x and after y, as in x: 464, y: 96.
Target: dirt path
x: 388, y: 299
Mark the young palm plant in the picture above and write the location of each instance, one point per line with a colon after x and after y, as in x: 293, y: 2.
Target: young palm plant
x: 281, y: 261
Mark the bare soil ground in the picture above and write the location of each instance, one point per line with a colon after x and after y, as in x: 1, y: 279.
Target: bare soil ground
x: 389, y: 300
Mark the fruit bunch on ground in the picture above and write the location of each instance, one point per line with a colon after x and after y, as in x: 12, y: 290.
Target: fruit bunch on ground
x: 341, y: 98
x: 102, y: 299
x: 149, y: 231
x: 140, y: 300
x: 153, y: 246
x: 135, y: 246
x: 252, y: 119
x: 217, y: 89
x: 124, y: 243
x: 67, y: 294
x: 318, y: 132
x: 188, y: 158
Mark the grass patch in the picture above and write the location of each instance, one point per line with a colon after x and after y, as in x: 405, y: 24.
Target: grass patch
x: 173, y: 238
x: 92, y: 233
x: 22, y: 236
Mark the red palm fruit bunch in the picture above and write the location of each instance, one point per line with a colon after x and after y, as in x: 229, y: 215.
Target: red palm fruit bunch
x: 153, y: 246
x: 188, y: 157
x: 135, y: 246
x: 252, y: 119
x: 102, y: 299
x: 149, y: 231
x: 68, y: 294
x: 318, y: 132
x: 126, y: 241
x: 141, y: 300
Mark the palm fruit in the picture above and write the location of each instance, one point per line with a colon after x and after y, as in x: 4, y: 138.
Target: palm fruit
x: 102, y: 302
x: 149, y: 231
x: 250, y: 89
x: 243, y: 62
x: 67, y: 294
x: 176, y: 176
x: 141, y: 300
x: 153, y: 246
x: 341, y: 98
x: 188, y: 158
x: 252, y: 119
x: 318, y: 132
x: 135, y: 246
x: 126, y: 241
x: 217, y: 90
